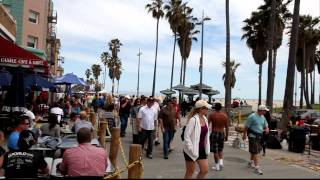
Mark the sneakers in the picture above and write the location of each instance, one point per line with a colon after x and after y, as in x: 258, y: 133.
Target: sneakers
x: 258, y: 171
x: 251, y: 165
x: 216, y: 167
x: 149, y: 156
x: 165, y: 157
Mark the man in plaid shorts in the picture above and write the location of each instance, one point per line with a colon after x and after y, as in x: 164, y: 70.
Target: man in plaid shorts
x: 219, y: 134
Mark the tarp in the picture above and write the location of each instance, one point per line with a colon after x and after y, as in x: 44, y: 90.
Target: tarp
x: 12, y: 55
x: 69, y: 79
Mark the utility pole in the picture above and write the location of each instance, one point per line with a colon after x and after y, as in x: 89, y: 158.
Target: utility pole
x: 201, y: 58
x: 139, y: 54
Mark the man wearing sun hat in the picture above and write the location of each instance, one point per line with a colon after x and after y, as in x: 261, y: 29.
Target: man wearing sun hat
x: 255, y: 125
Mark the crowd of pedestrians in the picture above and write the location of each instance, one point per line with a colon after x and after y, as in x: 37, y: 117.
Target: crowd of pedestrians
x: 149, y: 118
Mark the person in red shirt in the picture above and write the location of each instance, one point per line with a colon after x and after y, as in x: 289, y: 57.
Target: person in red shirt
x: 178, y: 119
x: 84, y: 160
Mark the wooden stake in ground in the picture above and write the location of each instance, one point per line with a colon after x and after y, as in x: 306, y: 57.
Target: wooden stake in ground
x: 134, y: 155
x: 102, y: 133
x: 114, y: 148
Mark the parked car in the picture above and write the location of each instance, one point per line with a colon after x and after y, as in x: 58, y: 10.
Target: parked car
x: 310, y: 116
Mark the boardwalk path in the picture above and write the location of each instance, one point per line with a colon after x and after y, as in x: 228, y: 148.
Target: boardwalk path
x: 273, y: 164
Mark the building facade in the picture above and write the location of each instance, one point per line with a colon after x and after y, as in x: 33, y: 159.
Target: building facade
x: 7, y: 25
x: 36, y: 31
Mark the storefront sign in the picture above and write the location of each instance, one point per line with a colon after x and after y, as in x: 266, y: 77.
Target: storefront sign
x: 22, y: 61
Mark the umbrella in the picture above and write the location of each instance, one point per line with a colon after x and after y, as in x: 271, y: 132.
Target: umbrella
x: 211, y: 92
x: 36, y: 82
x: 167, y: 92
x: 5, y: 78
x: 69, y: 79
x: 179, y: 87
x: 15, y: 99
x: 204, y: 87
x: 190, y: 91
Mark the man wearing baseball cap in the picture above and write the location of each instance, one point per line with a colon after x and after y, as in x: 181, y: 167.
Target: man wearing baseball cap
x: 255, y: 125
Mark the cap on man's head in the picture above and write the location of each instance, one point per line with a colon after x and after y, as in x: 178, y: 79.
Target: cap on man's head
x: 262, y: 108
x: 127, y: 96
x: 202, y: 103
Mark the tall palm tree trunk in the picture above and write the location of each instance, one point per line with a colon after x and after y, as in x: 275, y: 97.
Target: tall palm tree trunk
x: 172, y: 68
x: 118, y: 87
x: 155, y: 61
x: 105, y: 75
x: 228, y: 68
x: 313, y: 82
x: 181, y: 68
x: 270, y: 63
x: 260, y: 83
x: 301, y: 90
x: 112, y: 85
x: 272, y: 78
x: 306, y: 80
x: 288, y: 94
x: 184, y: 71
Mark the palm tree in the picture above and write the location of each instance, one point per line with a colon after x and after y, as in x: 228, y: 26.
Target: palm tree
x: 255, y: 40
x: 233, y: 68
x: 155, y: 7
x: 288, y: 94
x: 186, y: 33
x: 114, y: 47
x: 88, y: 74
x: 104, y: 59
x: 228, y: 65
x: 174, y: 9
x: 96, y: 70
x: 272, y: 15
x: 308, y: 40
x: 117, y: 73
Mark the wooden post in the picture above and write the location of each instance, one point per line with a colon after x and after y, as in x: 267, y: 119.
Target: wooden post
x: 134, y: 155
x: 114, y: 148
x: 102, y: 133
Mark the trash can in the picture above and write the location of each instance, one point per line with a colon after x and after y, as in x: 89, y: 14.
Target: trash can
x: 297, y: 139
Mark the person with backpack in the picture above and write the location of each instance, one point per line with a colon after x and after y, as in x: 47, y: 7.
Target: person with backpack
x: 196, y: 144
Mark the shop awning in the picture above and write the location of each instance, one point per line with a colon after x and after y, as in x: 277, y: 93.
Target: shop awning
x: 12, y: 55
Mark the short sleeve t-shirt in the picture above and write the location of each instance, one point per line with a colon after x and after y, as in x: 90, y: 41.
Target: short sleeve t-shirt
x: 23, y: 164
x: 13, y: 140
x: 256, y: 123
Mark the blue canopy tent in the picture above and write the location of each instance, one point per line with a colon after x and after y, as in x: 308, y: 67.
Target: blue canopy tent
x: 67, y: 80
x: 37, y: 82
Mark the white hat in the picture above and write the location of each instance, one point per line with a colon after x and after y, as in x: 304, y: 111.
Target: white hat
x: 202, y: 103
x: 128, y: 97
x: 262, y: 108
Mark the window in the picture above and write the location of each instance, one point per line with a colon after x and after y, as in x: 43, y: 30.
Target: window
x: 33, y: 17
x: 32, y: 41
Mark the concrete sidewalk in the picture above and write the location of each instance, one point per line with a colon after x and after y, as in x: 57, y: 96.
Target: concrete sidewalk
x: 235, y: 162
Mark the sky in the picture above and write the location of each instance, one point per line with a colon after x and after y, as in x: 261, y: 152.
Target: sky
x: 86, y: 26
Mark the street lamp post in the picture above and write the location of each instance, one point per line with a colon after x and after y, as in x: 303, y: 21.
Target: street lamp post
x: 201, y: 58
x: 139, y: 54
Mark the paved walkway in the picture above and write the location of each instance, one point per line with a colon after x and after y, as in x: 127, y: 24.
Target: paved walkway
x: 235, y: 163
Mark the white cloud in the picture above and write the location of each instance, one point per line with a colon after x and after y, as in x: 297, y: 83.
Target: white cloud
x: 85, y: 27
